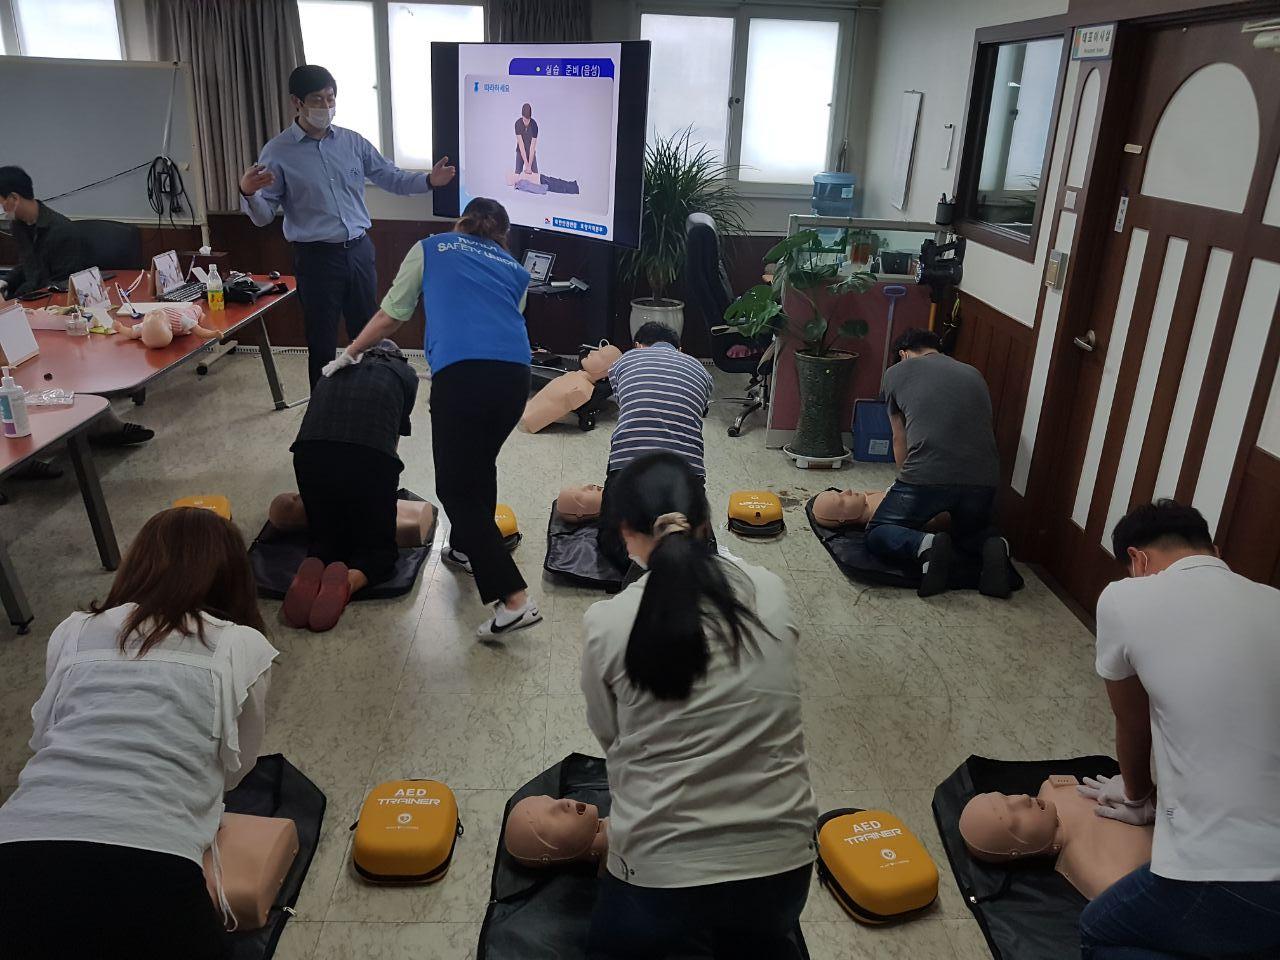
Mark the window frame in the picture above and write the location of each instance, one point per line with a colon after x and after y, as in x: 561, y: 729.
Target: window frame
x: 11, y: 36
x: 742, y: 14
x: 986, y: 45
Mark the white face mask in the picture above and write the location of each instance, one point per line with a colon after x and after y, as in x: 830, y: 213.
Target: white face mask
x: 320, y: 117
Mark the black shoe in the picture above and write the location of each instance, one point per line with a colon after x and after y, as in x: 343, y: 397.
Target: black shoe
x: 128, y: 435
x: 936, y: 577
x: 994, y: 580
x: 36, y: 471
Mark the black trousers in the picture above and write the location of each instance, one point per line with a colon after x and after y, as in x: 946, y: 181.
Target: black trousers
x: 740, y: 920
x: 349, y: 493
x: 64, y: 898
x: 334, y: 280
x: 608, y: 534
x: 475, y: 404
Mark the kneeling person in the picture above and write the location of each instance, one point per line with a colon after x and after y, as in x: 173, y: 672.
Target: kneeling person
x: 348, y: 474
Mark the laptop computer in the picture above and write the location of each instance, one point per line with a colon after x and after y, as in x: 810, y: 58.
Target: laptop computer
x: 539, y: 263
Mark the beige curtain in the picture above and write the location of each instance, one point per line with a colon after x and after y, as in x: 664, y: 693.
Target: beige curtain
x: 539, y: 21
x: 241, y: 54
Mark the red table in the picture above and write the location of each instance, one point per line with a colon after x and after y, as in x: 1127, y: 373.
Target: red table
x: 51, y: 425
x: 116, y: 365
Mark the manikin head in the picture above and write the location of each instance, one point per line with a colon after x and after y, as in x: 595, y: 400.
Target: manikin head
x: 314, y: 95
x: 543, y: 831
x: 579, y: 502
x: 1154, y: 535
x: 999, y: 827
x: 596, y: 364
x: 840, y: 508
x: 916, y: 343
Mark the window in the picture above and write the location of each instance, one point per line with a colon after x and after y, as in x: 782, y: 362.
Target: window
x: 338, y: 34
x: 1013, y: 106
x: 411, y: 28
x: 81, y: 29
x: 742, y: 79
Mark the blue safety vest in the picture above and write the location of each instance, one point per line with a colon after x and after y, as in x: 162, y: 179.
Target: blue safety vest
x: 471, y: 292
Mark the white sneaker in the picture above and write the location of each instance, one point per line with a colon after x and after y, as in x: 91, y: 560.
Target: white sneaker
x: 459, y: 560
x: 508, y: 621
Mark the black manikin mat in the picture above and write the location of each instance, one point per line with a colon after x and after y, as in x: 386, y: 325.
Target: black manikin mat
x: 573, y: 555
x: 276, y: 788
x: 546, y: 914
x: 1027, y: 911
x: 276, y: 556
x: 848, y: 548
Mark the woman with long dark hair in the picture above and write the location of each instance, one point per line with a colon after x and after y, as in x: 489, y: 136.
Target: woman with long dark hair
x: 691, y: 685
x: 472, y: 293
x: 154, y: 706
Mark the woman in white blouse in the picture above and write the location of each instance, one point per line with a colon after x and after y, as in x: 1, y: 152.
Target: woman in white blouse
x: 153, y: 707
x: 692, y: 690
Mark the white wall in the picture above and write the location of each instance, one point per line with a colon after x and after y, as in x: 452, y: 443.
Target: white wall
x: 927, y: 45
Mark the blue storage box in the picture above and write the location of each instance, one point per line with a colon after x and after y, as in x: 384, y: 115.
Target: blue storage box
x: 872, y: 432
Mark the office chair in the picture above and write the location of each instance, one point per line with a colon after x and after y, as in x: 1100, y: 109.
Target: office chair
x: 110, y: 245
x: 709, y: 294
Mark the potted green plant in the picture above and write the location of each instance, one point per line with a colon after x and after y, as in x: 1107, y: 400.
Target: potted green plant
x: 680, y: 178
x: 805, y: 266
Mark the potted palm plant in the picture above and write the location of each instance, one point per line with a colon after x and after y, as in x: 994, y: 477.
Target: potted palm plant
x: 680, y: 178
x: 805, y: 266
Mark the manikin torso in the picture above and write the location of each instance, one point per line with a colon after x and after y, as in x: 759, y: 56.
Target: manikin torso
x: 1096, y: 852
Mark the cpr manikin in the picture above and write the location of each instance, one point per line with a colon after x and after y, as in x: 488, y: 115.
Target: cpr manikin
x: 846, y: 508
x: 580, y: 502
x: 158, y: 328
x: 415, y: 519
x: 568, y: 391
x: 546, y: 832
x: 1092, y: 852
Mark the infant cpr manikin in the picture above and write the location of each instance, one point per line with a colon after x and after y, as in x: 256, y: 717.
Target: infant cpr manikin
x: 158, y: 328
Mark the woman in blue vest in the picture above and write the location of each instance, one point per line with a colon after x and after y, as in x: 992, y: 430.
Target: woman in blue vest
x: 472, y: 293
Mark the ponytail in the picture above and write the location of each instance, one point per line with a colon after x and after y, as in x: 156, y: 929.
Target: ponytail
x: 688, y: 599
x: 487, y: 219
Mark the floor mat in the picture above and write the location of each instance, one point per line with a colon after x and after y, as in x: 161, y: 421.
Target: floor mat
x: 546, y: 914
x: 573, y: 555
x: 1027, y: 911
x: 276, y: 556
x: 848, y: 548
x: 276, y: 788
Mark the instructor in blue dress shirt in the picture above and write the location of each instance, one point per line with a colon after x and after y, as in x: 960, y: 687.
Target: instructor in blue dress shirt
x: 315, y: 172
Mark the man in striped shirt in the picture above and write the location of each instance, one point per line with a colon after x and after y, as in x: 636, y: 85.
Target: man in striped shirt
x: 662, y: 397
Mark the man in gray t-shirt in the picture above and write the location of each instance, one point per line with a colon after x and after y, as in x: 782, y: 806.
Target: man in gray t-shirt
x: 945, y: 449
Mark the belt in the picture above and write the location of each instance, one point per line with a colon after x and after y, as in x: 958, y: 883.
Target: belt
x: 340, y: 244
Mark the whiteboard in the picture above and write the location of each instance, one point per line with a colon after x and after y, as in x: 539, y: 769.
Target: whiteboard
x: 905, y: 148
x: 69, y: 123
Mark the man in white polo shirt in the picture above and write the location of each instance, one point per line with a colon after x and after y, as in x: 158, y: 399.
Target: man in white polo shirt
x: 1191, y: 656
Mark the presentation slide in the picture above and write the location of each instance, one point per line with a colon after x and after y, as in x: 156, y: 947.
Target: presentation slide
x: 539, y: 132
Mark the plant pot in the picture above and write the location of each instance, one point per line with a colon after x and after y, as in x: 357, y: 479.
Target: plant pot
x: 824, y: 381
x: 667, y: 312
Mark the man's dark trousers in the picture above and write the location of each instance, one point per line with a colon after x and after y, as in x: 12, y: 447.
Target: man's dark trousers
x: 334, y: 280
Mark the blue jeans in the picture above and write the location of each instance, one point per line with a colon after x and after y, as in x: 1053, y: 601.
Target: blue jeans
x: 1146, y: 917
x: 738, y: 920
x: 896, y: 530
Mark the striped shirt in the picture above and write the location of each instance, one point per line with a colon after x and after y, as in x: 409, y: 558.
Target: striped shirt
x: 662, y: 397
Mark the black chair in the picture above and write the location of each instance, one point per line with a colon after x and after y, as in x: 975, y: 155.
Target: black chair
x: 109, y: 245
x: 709, y: 293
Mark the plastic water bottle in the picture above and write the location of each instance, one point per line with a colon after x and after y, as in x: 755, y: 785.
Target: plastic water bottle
x: 214, y: 289
x: 13, y: 407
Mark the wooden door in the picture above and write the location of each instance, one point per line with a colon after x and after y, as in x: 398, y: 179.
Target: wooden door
x: 1182, y: 322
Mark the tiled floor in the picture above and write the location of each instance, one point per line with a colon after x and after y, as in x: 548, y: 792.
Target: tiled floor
x: 898, y: 691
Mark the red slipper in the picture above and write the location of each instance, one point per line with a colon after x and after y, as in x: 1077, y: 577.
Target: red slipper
x: 302, y: 592
x: 335, y: 591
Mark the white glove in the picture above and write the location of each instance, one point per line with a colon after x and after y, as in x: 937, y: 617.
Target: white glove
x: 1140, y: 813
x: 344, y: 360
x: 1107, y: 790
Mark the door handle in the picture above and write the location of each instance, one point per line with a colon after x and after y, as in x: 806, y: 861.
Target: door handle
x: 1087, y: 342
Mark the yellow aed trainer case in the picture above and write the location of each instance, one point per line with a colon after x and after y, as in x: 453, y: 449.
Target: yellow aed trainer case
x: 505, y: 518
x: 406, y: 832
x: 874, y: 866
x: 755, y: 513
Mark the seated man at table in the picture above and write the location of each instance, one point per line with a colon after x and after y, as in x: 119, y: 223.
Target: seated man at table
x: 945, y: 448
x: 662, y: 397
x: 50, y: 249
